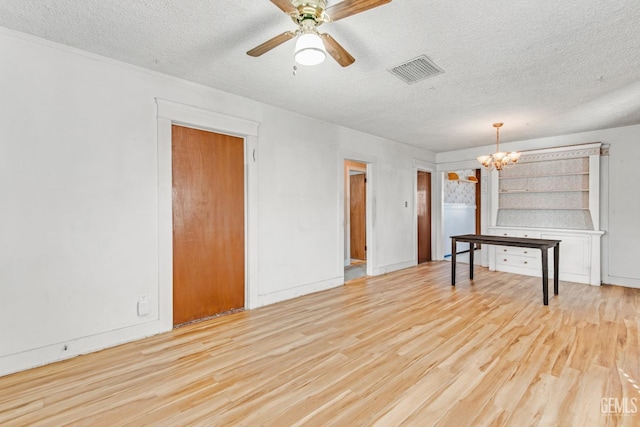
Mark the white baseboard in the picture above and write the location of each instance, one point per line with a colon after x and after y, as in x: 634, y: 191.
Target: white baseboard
x: 394, y: 267
x: 299, y: 291
x: 622, y: 281
x: 56, y: 352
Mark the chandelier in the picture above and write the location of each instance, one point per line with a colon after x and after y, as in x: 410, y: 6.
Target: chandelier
x: 499, y: 160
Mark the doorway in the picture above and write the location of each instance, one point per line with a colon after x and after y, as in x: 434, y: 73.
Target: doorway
x: 424, y: 216
x: 355, y: 219
x: 208, y: 224
x: 462, y: 212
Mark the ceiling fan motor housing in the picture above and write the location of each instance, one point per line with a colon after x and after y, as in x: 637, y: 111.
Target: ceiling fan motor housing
x: 309, y: 11
x: 316, y: 4
x: 308, y: 25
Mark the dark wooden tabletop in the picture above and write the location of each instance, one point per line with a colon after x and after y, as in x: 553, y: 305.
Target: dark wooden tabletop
x: 507, y: 241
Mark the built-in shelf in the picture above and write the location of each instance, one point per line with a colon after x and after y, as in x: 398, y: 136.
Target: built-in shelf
x: 543, y: 191
x: 544, y: 209
x: 453, y: 176
x: 466, y: 180
x: 502, y: 177
x: 545, y: 184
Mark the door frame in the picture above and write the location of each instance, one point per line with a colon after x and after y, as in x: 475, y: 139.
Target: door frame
x: 370, y: 162
x: 170, y: 113
x: 347, y: 208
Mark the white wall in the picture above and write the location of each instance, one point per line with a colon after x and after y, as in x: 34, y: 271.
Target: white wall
x: 80, y: 195
x: 619, y: 194
x: 459, y: 218
x: 621, y: 213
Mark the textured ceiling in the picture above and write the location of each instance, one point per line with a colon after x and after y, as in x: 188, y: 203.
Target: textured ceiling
x: 544, y: 67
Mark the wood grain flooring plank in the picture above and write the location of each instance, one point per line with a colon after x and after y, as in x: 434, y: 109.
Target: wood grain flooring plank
x: 405, y: 348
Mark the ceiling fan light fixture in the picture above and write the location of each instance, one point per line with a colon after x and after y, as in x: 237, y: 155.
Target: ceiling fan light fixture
x: 309, y: 49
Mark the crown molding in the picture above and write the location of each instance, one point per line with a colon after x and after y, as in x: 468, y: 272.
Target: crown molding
x: 559, y: 153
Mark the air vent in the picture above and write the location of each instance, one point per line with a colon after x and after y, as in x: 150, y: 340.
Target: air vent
x: 417, y: 69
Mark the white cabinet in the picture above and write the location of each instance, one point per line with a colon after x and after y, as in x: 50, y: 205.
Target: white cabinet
x: 579, y: 254
x: 550, y: 194
x: 516, y: 232
x: 513, y: 259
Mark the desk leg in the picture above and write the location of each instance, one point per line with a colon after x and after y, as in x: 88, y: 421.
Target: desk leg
x: 453, y: 261
x: 556, y: 268
x: 471, y: 250
x: 545, y: 276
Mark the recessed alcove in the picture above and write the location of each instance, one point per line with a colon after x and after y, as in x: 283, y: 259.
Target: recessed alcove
x: 553, y: 194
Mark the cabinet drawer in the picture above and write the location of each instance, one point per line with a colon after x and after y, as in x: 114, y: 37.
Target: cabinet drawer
x: 502, y: 251
x: 517, y: 233
x: 517, y: 261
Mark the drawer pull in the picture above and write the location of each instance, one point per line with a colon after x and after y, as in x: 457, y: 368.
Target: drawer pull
x: 526, y: 252
x: 505, y: 250
x: 526, y: 262
x: 505, y: 260
x: 526, y: 235
x: 505, y: 234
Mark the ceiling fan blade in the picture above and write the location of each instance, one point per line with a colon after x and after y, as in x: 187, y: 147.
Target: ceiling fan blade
x: 336, y: 51
x: 270, y: 44
x: 351, y: 7
x: 285, y: 5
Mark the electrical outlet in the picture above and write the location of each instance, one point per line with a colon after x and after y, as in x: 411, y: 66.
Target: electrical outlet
x: 143, y: 305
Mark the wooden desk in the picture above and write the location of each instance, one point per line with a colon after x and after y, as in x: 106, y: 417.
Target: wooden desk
x: 523, y: 242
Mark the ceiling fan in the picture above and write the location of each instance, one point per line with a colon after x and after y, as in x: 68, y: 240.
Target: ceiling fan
x: 309, y: 15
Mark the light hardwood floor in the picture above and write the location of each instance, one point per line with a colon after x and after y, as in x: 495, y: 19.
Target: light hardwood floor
x: 401, y: 349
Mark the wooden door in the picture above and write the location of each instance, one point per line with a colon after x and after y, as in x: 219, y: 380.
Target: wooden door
x: 357, y: 216
x: 208, y: 223
x: 424, y: 216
